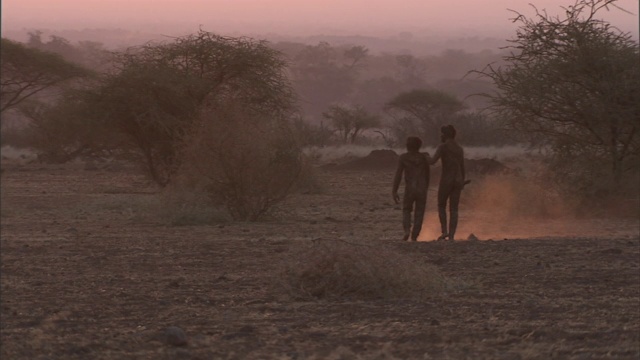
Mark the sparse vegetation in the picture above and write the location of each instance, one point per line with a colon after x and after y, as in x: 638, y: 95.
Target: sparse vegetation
x: 572, y: 85
x: 334, y: 269
x: 422, y: 112
x: 350, y: 122
x: 186, y: 206
x: 246, y: 160
x: 191, y: 201
x: 27, y: 72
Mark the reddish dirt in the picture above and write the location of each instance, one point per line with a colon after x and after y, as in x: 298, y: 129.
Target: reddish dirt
x: 89, y: 272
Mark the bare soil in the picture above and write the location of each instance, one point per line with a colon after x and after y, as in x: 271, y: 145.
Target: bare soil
x: 90, y: 271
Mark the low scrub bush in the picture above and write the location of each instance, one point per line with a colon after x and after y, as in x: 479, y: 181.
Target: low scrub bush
x: 336, y: 269
x: 181, y: 206
x: 244, y: 160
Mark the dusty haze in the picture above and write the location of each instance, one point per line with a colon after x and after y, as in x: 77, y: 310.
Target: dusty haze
x: 291, y: 17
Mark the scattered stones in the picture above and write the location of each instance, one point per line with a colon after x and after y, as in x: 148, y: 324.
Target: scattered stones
x: 613, y: 251
x: 244, y: 331
x: 90, y: 166
x: 175, y: 283
x: 175, y: 336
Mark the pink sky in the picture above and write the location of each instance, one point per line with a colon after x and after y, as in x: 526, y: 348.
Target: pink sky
x: 308, y: 16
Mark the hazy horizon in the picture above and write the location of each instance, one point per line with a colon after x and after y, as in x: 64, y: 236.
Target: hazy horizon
x: 437, y: 18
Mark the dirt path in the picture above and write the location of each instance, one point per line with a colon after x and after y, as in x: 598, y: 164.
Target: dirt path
x: 88, y: 272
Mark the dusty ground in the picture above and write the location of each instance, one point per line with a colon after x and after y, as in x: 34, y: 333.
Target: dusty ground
x: 89, y: 272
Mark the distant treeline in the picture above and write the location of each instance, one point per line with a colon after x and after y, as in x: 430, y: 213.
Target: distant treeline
x: 325, y: 76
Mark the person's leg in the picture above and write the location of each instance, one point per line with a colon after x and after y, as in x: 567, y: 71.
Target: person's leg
x: 454, y: 200
x: 407, y: 206
x: 443, y: 195
x: 421, y: 201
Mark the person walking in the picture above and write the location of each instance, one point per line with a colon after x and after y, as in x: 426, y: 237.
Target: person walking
x: 452, y: 180
x: 415, y: 168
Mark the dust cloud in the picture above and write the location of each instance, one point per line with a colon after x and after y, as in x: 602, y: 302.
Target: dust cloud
x: 499, y: 207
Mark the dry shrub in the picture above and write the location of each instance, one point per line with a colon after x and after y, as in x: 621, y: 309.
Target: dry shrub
x: 308, y: 181
x: 337, y: 269
x: 181, y: 206
x: 244, y: 160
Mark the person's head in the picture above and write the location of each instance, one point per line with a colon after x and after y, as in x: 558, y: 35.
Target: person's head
x: 447, y: 132
x: 413, y: 144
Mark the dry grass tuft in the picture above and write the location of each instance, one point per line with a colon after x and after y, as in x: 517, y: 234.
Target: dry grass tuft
x: 180, y: 206
x: 336, y: 269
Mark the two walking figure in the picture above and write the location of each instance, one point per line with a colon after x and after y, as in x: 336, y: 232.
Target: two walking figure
x: 414, y: 165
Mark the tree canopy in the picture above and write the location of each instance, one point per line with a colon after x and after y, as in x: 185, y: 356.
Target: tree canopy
x: 26, y: 72
x: 423, y: 111
x: 350, y: 121
x: 157, y: 90
x: 573, y: 81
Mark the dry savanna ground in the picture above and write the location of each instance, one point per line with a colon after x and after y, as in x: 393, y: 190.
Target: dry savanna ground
x: 98, y: 264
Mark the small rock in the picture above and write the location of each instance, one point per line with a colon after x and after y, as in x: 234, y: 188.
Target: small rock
x: 181, y: 354
x: 175, y: 336
x: 175, y: 283
x: 247, y: 329
x: 90, y: 166
x: 472, y: 237
x: 613, y: 251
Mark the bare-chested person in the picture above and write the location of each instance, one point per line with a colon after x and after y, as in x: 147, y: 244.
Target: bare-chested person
x: 452, y: 180
x: 415, y: 167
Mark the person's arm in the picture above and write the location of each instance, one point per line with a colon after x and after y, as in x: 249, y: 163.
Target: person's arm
x: 436, y: 156
x: 427, y: 164
x: 462, y: 167
x: 396, y: 182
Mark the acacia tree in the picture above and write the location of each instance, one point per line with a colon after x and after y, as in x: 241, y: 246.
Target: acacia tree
x: 25, y: 72
x: 63, y: 131
x: 246, y: 160
x: 157, y: 91
x: 575, y: 81
x: 422, y: 111
x: 349, y: 122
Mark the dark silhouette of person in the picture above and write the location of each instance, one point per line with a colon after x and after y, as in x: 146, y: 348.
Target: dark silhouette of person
x: 415, y: 168
x: 452, y: 180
